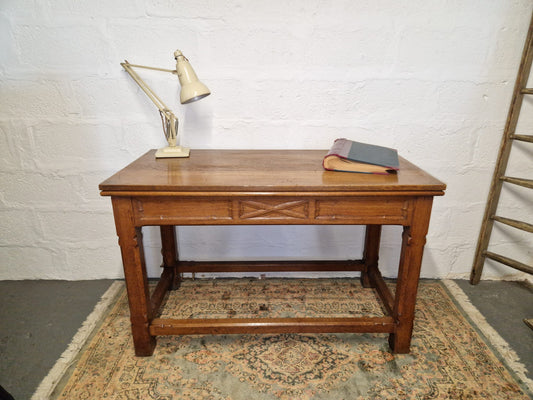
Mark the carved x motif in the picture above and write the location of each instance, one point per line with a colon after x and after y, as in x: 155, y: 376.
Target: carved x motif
x: 283, y: 209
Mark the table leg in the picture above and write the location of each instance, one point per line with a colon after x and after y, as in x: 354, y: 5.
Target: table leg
x: 413, y: 241
x: 169, y: 251
x: 370, y: 253
x: 131, y: 247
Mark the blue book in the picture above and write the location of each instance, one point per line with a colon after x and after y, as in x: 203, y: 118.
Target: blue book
x: 348, y: 156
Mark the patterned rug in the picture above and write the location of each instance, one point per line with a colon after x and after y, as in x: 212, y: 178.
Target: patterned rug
x: 449, y: 359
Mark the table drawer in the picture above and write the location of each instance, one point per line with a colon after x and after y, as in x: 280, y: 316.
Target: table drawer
x: 376, y: 210
x: 256, y: 210
x: 182, y: 211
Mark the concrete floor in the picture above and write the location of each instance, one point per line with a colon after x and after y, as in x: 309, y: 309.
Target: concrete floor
x: 505, y: 305
x: 39, y: 319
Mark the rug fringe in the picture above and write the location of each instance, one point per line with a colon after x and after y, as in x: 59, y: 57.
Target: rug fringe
x: 50, y: 381
x: 500, y: 345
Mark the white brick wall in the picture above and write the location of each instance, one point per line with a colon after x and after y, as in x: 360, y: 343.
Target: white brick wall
x: 431, y: 79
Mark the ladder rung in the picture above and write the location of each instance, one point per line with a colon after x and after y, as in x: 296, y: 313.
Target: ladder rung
x: 518, y: 181
x: 510, y: 262
x: 527, y: 91
x: 523, y: 138
x: 514, y: 223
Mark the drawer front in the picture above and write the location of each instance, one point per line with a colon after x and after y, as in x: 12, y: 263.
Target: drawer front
x: 378, y: 210
x: 265, y: 210
x: 182, y: 211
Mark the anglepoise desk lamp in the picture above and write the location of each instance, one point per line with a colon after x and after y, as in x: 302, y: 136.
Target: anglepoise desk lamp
x: 191, y: 90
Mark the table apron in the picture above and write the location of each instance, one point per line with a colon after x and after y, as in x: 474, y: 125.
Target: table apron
x: 285, y: 210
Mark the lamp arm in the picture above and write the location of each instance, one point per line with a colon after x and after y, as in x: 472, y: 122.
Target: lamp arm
x: 146, y: 89
x: 173, y: 71
x: 169, y: 120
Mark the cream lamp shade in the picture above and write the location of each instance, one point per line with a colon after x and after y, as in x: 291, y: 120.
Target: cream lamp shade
x: 191, y: 90
x: 191, y: 87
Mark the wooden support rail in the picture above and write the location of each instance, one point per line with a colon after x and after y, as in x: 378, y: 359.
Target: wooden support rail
x: 269, y: 266
x: 377, y: 282
x: 171, y: 326
x: 163, y: 286
x: 271, y: 325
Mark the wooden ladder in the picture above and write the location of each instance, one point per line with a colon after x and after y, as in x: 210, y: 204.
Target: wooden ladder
x: 499, y: 177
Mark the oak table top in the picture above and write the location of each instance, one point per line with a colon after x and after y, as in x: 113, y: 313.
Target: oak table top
x: 260, y: 171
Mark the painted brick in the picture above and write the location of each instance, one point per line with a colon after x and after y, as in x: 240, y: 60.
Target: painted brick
x: 86, y: 263
x: 18, y: 228
x: 92, y: 229
x: 98, y: 8
x: 31, y: 262
x: 36, y: 99
x: 8, y: 151
x: 74, y: 147
x: 36, y: 190
x: 153, y: 42
x: 433, y: 81
x: 37, y: 38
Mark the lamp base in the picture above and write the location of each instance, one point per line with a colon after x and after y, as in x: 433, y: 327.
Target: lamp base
x: 172, y: 152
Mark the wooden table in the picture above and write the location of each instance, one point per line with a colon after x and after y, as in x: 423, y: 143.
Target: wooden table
x: 260, y: 187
